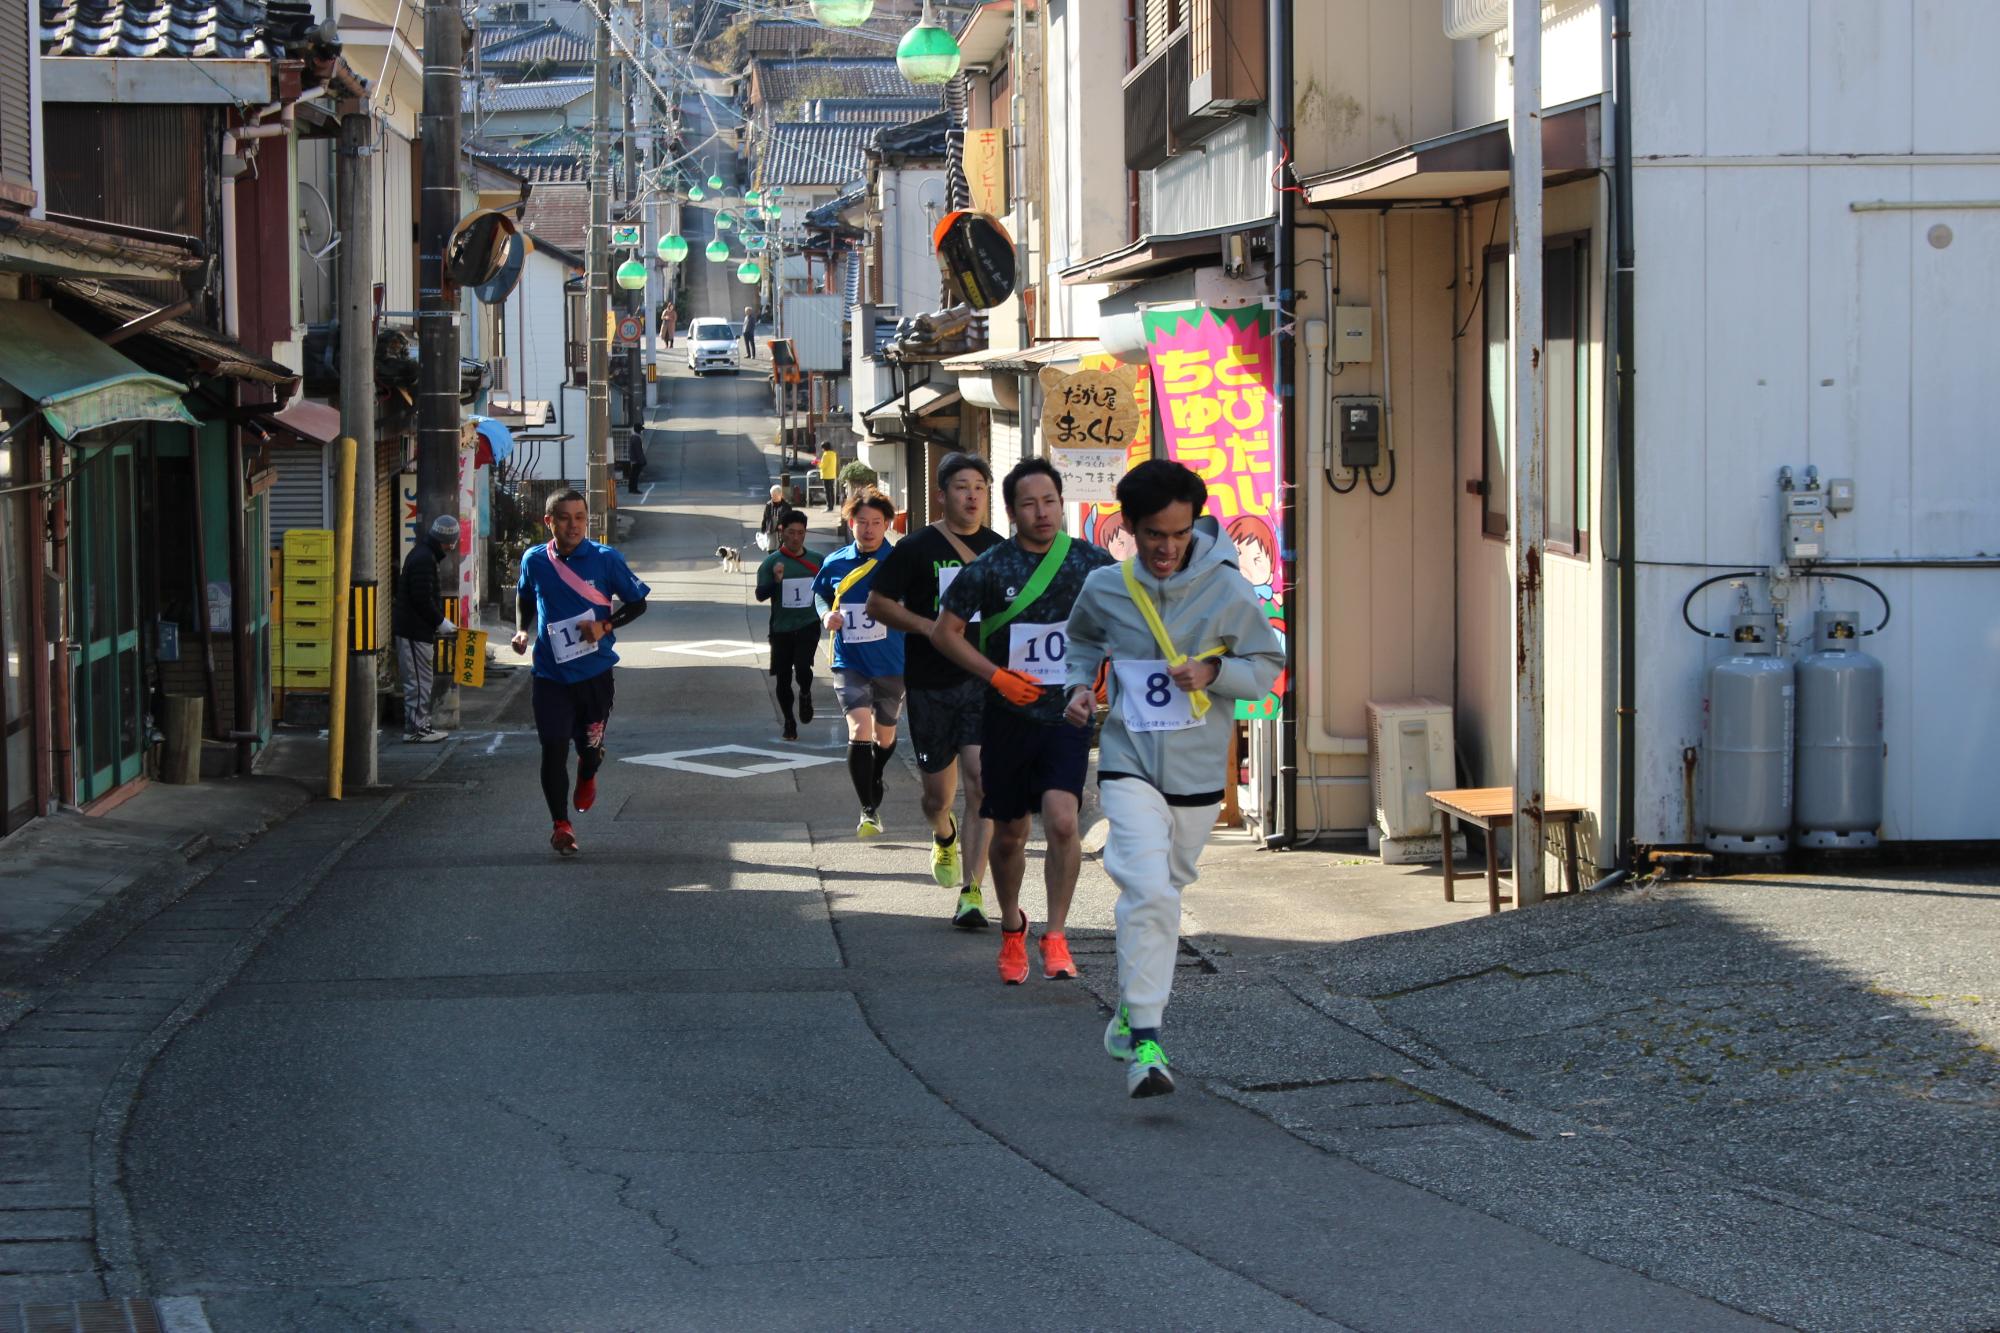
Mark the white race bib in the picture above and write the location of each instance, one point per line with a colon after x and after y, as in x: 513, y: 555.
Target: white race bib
x: 945, y: 577
x: 566, y: 639
x: 795, y: 593
x: 1039, y: 652
x: 1149, y: 698
x: 860, y: 627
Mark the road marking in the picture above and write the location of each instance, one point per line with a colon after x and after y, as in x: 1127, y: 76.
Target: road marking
x: 494, y: 744
x: 646, y: 496
x: 688, y: 761
x: 712, y: 648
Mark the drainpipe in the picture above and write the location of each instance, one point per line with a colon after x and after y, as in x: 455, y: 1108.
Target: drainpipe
x: 1284, y: 830
x: 1628, y: 430
x: 1526, y: 525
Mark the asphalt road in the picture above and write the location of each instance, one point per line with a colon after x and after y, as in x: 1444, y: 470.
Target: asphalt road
x: 730, y: 1068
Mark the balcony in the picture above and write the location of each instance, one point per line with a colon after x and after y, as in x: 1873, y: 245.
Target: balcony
x: 1209, y: 71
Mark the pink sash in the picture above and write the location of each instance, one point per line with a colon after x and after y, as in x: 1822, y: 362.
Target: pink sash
x: 575, y: 581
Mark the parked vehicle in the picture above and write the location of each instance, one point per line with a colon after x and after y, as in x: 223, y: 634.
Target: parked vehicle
x: 713, y: 344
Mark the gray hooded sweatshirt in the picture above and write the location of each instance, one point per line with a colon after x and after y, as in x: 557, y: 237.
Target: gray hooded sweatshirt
x: 1207, y: 600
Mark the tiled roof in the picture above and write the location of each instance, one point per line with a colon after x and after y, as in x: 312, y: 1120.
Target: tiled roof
x: 546, y: 95
x: 782, y: 81
x: 879, y: 110
x: 492, y: 34
x: 218, y: 29
x: 559, y: 214
x: 548, y: 42
x: 541, y: 168
x: 778, y: 37
x: 800, y: 153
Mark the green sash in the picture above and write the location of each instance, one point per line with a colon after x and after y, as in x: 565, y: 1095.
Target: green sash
x: 1044, y: 575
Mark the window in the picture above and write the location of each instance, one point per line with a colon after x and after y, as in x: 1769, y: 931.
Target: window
x: 1566, y: 394
x: 576, y: 340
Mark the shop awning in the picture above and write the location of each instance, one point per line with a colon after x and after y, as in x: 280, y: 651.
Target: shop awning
x: 1468, y: 164
x: 173, y: 343
x: 893, y: 416
x: 1061, y: 352
x: 311, y: 421
x: 1151, y: 256
x: 78, y: 383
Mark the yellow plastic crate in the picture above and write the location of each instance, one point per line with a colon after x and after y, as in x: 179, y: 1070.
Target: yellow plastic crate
x: 309, y: 543
x: 295, y: 656
x: 299, y: 567
x: 308, y: 629
x: 315, y: 607
x: 306, y: 678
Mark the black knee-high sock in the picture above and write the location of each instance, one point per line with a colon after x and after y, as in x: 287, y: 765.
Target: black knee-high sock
x: 588, y: 760
x: 555, y: 779
x: 882, y: 753
x: 861, y: 771
x: 784, y: 688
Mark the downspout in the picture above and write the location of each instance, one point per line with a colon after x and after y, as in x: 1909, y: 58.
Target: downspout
x: 1622, y: 389
x: 1278, y: 83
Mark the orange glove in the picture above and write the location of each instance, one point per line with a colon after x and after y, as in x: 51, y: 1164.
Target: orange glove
x: 1017, y: 689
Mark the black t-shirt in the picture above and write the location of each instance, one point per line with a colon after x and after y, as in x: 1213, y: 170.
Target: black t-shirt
x: 909, y: 577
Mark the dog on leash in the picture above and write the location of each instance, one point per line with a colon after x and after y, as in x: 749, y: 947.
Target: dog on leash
x: 731, y: 558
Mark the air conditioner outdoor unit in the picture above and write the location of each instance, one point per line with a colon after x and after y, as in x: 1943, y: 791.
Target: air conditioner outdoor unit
x: 1409, y: 753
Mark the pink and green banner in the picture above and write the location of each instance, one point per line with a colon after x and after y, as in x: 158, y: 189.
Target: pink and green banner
x: 1212, y: 375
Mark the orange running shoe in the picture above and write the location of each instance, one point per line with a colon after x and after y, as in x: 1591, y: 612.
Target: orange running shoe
x: 1056, y: 962
x: 1014, y: 952
x: 586, y: 793
x: 563, y: 839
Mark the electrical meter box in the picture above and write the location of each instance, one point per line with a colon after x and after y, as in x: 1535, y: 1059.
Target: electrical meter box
x: 1805, y: 524
x: 1360, y: 431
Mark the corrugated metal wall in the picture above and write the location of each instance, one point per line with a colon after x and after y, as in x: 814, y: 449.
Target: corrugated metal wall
x: 299, y: 491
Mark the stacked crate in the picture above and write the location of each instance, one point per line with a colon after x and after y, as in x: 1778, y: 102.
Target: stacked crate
x: 305, y: 632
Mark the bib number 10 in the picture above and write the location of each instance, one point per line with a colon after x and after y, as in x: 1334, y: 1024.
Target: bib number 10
x: 1039, y: 651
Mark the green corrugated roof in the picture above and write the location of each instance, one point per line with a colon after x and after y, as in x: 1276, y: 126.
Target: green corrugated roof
x: 78, y: 381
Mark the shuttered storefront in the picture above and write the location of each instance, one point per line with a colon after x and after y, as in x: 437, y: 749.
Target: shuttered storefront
x: 299, y: 492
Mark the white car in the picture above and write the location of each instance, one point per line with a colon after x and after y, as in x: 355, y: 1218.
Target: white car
x: 713, y: 344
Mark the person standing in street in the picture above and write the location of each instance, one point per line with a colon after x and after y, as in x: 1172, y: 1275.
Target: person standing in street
x: 947, y: 705
x: 785, y: 580
x: 867, y: 654
x: 667, y: 317
x: 419, y: 622
x: 750, y: 332
x: 1016, y: 599
x: 775, y: 508
x: 564, y: 605
x: 829, y: 473
x: 1186, y: 637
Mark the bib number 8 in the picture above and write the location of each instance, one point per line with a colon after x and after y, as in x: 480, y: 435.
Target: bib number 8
x: 1158, y: 690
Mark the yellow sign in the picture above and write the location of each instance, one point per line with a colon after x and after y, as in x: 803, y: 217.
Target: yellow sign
x: 469, y: 654
x: 986, y: 170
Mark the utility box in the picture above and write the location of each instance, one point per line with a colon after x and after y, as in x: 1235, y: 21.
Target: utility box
x: 1353, y: 334
x: 1359, y: 421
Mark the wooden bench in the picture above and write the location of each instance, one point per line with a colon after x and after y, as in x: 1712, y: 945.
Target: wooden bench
x: 1493, y: 808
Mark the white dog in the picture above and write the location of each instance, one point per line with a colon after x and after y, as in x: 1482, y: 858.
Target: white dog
x: 732, y: 560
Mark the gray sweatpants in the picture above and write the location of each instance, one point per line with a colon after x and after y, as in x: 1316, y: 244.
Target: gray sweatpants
x: 416, y: 664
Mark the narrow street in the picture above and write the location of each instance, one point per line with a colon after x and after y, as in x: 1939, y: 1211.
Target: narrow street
x: 730, y: 1068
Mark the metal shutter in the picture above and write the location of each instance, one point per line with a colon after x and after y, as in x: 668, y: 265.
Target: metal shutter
x: 298, y: 491
x: 16, y: 146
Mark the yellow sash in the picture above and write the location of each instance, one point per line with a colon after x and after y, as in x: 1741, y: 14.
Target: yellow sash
x: 854, y: 576
x: 1198, y: 700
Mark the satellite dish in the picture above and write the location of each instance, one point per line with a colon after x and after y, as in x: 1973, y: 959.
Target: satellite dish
x: 977, y: 257
x: 478, y: 247
x: 502, y: 284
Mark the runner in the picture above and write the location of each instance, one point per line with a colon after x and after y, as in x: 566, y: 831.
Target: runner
x: 947, y: 706
x: 867, y: 655
x: 785, y: 581
x: 566, y: 588
x: 1186, y: 638
x: 1021, y: 592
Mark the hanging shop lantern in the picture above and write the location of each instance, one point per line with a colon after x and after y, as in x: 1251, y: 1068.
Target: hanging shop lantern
x: 672, y: 249
x: 715, y: 182
x: 696, y: 194
x: 724, y: 221
x: 631, y: 275
x: 750, y: 273
x: 928, y: 52
x: 718, y: 250
x: 843, y: 13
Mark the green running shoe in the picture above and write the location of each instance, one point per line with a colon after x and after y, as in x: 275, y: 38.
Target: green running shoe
x: 1147, y: 1076
x: 1118, y: 1034
x: 870, y: 825
x: 971, y: 911
x: 944, y: 859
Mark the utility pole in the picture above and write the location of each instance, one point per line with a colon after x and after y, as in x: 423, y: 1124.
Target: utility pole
x: 597, y: 281
x: 1526, y: 525
x: 437, y: 320
x: 357, y: 409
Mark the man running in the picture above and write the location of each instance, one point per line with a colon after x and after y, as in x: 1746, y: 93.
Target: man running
x: 785, y: 580
x: 947, y: 706
x: 1020, y: 593
x: 867, y: 654
x: 1186, y: 638
x: 566, y: 589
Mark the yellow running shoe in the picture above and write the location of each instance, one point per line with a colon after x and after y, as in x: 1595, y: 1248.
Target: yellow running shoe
x: 971, y: 913
x: 944, y: 859
x: 870, y: 825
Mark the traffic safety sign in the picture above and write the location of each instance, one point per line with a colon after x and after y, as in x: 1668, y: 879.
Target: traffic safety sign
x: 630, y: 328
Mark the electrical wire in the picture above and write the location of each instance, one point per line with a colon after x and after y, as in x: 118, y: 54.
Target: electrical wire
x: 1479, y: 292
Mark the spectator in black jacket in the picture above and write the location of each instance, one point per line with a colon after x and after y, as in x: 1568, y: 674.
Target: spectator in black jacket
x: 419, y: 622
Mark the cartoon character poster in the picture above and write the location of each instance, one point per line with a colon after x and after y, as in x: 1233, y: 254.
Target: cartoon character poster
x: 1212, y: 375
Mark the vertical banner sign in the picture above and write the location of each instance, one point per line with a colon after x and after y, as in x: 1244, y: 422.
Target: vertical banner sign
x: 409, y: 517
x: 1101, y: 522
x: 468, y: 522
x: 1212, y: 370
x: 986, y: 171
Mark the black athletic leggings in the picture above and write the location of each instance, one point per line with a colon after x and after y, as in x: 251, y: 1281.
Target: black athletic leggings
x: 555, y: 772
x: 792, y: 660
x: 570, y: 713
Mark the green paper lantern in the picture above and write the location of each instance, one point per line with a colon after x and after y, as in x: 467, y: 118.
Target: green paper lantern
x: 673, y: 249
x: 695, y: 193
x: 715, y: 182
x: 749, y: 273
x: 928, y: 52
x: 843, y: 13
x: 752, y: 196
x: 631, y: 275
x: 724, y: 221
x: 718, y: 250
